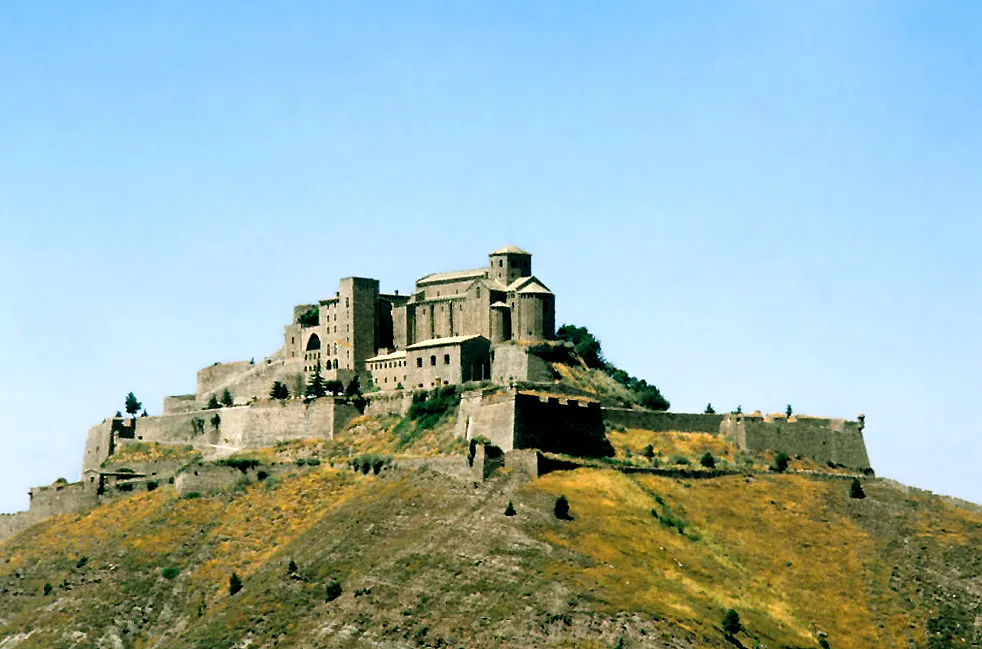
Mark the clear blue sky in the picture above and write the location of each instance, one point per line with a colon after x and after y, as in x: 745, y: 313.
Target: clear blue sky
x: 750, y: 203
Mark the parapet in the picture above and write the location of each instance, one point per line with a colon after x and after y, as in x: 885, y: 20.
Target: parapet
x: 835, y: 441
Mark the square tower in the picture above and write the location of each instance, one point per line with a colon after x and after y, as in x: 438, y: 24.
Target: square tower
x: 510, y: 263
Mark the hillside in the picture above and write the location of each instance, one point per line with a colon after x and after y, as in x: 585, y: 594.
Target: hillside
x: 427, y: 560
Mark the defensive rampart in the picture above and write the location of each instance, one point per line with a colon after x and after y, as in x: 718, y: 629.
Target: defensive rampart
x: 838, y: 441
x: 662, y: 422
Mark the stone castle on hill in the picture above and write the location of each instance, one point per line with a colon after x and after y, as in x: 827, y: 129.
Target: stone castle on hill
x: 490, y: 330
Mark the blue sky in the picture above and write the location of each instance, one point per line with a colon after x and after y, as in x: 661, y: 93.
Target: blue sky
x: 750, y: 203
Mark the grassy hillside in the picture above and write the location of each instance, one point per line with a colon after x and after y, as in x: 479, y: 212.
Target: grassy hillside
x: 422, y: 560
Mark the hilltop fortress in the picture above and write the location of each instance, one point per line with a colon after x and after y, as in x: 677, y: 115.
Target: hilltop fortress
x: 489, y: 330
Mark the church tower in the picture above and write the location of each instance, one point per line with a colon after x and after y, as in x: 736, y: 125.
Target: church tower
x: 510, y: 263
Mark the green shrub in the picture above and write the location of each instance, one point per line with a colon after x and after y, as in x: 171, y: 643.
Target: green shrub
x: 47, y: 589
x: 170, y: 572
x: 243, y: 464
x: 315, y: 461
x: 510, y: 509
x: 856, y: 489
x: 649, y: 451
x: 261, y: 475
x: 310, y: 317
x: 279, y: 391
x: 213, y: 403
x: 81, y: 562
x: 709, y: 409
x: 234, y: 584
x: 292, y: 567
x: 561, y: 509
x: 227, y: 401
x: 333, y: 590
x: 242, y: 483
x: 191, y: 495
x: 731, y: 623
x: 708, y: 460
x: 678, y: 459
x: 781, y: 461
x: 152, y: 485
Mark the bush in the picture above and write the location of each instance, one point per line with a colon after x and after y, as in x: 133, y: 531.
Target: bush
x: 216, y: 421
x: 561, y: 509
x: 234, y: 584
x: 152, y: 485
x: 243, y: 464
x: 170, y: 572
x: 731, y: 623
x: 781, y: 462
x: 191, y: 495
x: 709, y: 409
x: 279, y: 391
x: 47, y: 589
x: 649, y: 451
x: 708, y: 460
x: 213, y: 403
x: 333, y: 590
x: 510, y: 509
x: 310, y: 317
x: 292, y: 567
x: 81, y: 562
x: 856, y: 489
x: 227, y: 401
x: 678, y: 459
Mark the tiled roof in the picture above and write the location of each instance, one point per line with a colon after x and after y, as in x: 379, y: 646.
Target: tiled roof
x: 456, y: 275
x: 510, y: 250
x: 387, y: 357
x: 440, y: 342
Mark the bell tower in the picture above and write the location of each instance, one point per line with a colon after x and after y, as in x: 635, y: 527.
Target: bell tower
x: 510, y: 263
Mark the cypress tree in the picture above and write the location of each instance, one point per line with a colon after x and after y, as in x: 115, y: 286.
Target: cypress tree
x: 856, y: 489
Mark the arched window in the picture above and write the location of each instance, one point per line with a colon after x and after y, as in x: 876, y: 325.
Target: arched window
x: 446, y: 359
x: 419, y: 362
x: 433, y: 361
x: 314, y: 342
x: 335, y: 363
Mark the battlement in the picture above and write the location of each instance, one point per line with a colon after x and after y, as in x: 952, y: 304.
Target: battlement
x: 837, y: 441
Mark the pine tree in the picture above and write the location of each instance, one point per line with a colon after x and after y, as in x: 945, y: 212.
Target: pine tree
x: 708, y: 460
x: 561, y: 509
x: 234, y: 584
x: 709, y: 409
x: 213, y: 403
x: 649, y: 451
x: 856, y: 489
x: 279, y: 391
x: 132, y: 405
x: 788, y: 411
x: 731, y: 623
x: 292, y: 568
x: 354, y: 388
x: 316, y: 388
x: 510, y: 509
x: 227, y: 399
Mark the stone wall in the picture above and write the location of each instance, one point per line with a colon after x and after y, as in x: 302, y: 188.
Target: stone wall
x: 661, y: 422
x: 514, y: 363
x: 62, y: 499
x: 211, y: 378
x: 826, y: 440
x: 569, y: 425
x: 392, y: 402
x: 489, y: 414
x: 99, y: 444
x: 245, y: 381
x: 255, y: 426
x: 181, y: 403
x: 455, y: 466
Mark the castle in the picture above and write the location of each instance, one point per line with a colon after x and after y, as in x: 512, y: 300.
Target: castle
x: 486, y: 328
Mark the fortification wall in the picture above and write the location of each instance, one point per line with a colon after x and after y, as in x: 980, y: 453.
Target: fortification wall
x: 246, y: 381
x: 62, y: 499
x: 661, y: 422
x: 99, y: 444
x: 455, y: 466
x: 489, y: 414
x: 11, y: 524
x: 392, y: 402
x: 560, y: 425
x: 181, y: 403
x: 514, y: 363
x: 207, y: 479
x: 261, y: 424
x: 827, y: 440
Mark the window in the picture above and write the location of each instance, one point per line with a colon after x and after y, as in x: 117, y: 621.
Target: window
x: 500, y: 263
x: 347, y: 302
x: 433, y: 361
x: 419, y: 362
x: 446, y: 359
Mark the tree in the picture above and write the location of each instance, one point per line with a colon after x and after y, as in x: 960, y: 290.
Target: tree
x: 279, y: 391
x: 292, y: 568
x: 333, y: 590
x: 213, y: 403
x: 708, y: 460
x: 334, y: 387
x: 354, y: 388
x: 561, y: 509
x: 510, y: 509
x: 738, y: 411
x: 216, y: 421
x: 649, y: 451
x: 47, y: 589
x: 316, y: 388
x: 227, y: 401
x: 585, y: 344
x: 709, y: 409
x: 856, y: 489
x: 234, y: 584
x: 781, y: 462
x: 788, y: 411
x: 731, y: 623
x: 132, y: 405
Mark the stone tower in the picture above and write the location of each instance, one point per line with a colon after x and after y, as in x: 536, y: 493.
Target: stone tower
x: 510, y: 263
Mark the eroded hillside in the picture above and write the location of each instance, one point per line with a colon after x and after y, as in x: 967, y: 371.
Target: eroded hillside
x: 426, y: 560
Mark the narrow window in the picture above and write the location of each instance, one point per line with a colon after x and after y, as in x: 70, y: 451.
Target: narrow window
x: 419, y: 362
x: 446, y: 359
x: 433, y: 361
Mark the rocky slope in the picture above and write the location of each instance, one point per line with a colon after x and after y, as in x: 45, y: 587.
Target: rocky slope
x: 423, y: 559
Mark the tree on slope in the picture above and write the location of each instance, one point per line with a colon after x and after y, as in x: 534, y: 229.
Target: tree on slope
x: 316, y: 388
x: 227, y: 401
x: 132, y: 405
x: 731, y: 623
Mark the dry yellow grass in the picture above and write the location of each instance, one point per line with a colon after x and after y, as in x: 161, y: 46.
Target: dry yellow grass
x: 768, y: 548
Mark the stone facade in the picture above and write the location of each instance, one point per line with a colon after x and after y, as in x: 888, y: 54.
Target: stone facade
x: 838, y: 441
